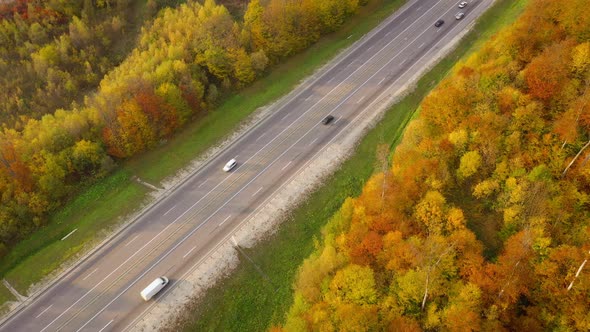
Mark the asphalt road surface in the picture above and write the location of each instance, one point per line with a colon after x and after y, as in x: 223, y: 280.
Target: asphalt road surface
x: 102, y: 293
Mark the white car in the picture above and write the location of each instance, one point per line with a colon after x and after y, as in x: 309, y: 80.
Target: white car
x: 459, y: 16
x: 462, y: 4
x: 230, y: 164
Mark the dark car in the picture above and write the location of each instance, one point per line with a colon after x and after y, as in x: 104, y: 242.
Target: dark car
x: 439, y: 23
x: 327, y: 119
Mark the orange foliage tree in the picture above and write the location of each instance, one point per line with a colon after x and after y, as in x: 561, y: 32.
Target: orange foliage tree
x: 476, y: 225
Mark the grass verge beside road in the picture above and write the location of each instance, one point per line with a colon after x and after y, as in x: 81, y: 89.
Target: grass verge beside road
x: 90, y: 214
x: 245, y: 301
x: 95, y: 211
x: 5, y: 296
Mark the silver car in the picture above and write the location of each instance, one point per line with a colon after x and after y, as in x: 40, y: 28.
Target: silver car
x: 462, y: 4
x: 459, y: 16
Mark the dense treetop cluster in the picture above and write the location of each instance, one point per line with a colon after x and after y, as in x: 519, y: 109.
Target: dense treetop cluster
x: 482, y: 221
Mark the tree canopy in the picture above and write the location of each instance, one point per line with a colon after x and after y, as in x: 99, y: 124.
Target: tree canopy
x: 482, y: 222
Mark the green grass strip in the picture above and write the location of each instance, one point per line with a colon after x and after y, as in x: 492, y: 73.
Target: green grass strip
x: 5, y: 296
x: 245, y: 301
x: 90, y: 214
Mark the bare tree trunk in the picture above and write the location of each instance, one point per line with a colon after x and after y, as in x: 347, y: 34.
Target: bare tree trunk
x: 426, y: 290
x: 575, y: 158
x: 577, y: 274
x: 430, y: 269
x: 509, y: 279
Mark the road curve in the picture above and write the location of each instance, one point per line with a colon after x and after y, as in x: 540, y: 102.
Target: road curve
x: 102, y: 292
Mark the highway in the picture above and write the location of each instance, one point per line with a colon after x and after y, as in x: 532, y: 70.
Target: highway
x: 102, y: 292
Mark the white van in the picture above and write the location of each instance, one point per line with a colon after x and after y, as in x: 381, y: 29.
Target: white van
x: 153, y: 288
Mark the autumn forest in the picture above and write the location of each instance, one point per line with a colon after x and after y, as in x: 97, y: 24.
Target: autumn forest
x: 479, y: 220
x: 481, y: 223
x: 76, y: 98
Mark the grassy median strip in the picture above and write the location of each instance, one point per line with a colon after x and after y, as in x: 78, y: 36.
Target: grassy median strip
x: 100, y: 207
x: 245, y: 301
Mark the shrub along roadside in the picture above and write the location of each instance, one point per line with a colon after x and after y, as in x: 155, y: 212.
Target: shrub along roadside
x: 247, y: 302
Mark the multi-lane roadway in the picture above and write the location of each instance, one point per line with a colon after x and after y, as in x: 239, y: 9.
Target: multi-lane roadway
x: 102, y: 292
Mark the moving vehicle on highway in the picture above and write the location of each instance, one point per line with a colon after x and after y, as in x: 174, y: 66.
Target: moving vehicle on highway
x: 459, y: 16
x: 462, y: 4
x: 153, y: 288
x: 439, y: 23
x: 327, y: 119
x: 230, y: 164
